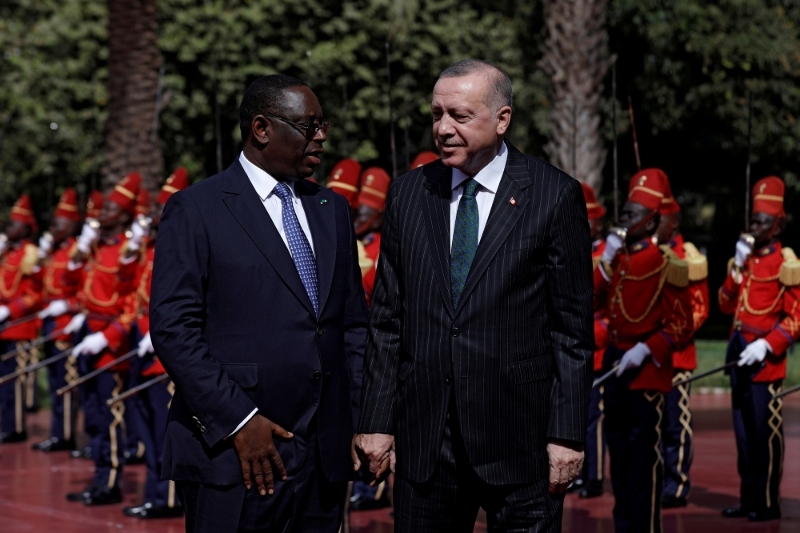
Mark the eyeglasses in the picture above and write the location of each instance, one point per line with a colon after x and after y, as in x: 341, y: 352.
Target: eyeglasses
x: 308, y: 129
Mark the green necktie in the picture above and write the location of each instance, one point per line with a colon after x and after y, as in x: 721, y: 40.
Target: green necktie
x: 465, y: 239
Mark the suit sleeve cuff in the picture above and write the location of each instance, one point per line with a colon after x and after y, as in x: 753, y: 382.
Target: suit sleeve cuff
x: 242, y: 423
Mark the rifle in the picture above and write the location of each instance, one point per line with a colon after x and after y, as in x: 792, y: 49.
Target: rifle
x: 787, y: 391
x: 614, y: 119
x: 707, y: 373
x: 19, y: 322
x: 94, y: 373
x: 608, y: 375
x: 33, y: 344
x: 633, y: 130
x: 37, y: 366
x: 749, y: 153
x: 136, y: 390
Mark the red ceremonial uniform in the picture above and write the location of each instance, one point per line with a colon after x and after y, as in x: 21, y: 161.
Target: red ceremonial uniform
x: 57, y: 285
x: 374, y: 186
x: 20, y: 290
x: 686, y: 358
x: 372, y: 247
x: 601, y: 335
x: 766, y: 305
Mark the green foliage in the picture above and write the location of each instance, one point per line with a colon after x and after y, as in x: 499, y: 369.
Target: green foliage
x: 52, y: 96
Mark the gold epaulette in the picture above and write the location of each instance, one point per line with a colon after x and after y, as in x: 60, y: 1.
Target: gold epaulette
x: 677, y: 269
x: 29, y: 259
x: 364, y: 262
x: 790, y: 269
x: 698, y: 263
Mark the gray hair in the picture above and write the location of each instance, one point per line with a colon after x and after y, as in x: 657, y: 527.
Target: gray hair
x: 500, y: 92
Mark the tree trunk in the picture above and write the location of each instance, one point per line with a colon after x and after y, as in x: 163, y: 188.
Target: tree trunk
x: 133, y: 63
x: 576, y: 60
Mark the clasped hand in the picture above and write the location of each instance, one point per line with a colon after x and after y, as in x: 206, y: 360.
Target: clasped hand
x: 376, y: 450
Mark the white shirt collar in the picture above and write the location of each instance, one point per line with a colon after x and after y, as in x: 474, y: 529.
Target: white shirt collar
x: 263, y: 183
x: 489, y: 176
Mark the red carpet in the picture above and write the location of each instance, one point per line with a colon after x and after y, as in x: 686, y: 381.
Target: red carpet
x: 33, y: 485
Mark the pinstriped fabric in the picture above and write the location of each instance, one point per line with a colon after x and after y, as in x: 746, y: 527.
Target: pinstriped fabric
x: 515, y: 351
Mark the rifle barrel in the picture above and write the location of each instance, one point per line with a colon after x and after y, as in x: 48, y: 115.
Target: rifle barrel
x: 136, y: 390
x: 18, y: 322
x: 37, y: 366
x: 605, y: 377
x: 33, y: 344
x: 94, y: 373
x: 706, y: 373
x: 787, y: 391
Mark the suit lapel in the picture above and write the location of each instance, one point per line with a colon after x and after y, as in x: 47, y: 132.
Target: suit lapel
x: 502, y: 218
x: 322, y: 222
x: 244, y: 204
x: 436, y: 212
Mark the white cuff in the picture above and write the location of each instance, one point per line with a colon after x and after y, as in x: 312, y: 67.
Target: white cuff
x: 127, y: 260
x: 73, y: 266
x: 243, y: 422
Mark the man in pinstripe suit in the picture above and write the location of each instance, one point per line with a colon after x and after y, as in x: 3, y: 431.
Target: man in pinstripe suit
x: 479, y: 355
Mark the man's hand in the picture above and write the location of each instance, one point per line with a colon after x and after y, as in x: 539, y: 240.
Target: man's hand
x: 257, y: 453
x: 376, y: 449
x: 566, y: 462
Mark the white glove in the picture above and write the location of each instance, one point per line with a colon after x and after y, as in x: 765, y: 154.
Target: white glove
x: 755, y: 352
x: 139, y: 230
x: 91, y: 344
x: 54, y: 309
x: 633, y: 358
x: 613, y: 244
x: 4, y: 313
x: 145, y: 346
x: 45, y: 245
x: 75, y: 324
x: 743, y: 251
x: 87, y: 237
x: 3, y: 243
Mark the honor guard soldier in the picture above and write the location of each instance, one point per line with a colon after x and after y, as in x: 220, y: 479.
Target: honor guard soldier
x: 423, y: 158
x: 371, y: 204
x: 643, y: 290
x: 106, y: 276
x: 20, y: 298
x: 762, y: 291
x: 590, y: 482
x: 93, y: 205
x: 54, y: 250
x: 344, y: 179
x: 676, y: 431
x: 152, y: 403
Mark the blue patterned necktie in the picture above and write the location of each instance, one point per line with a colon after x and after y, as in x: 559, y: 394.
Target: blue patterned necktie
x: 465, y: 239
x: 302, y: 255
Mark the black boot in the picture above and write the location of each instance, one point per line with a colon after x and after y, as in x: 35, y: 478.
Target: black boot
x: 104, y: 496
x: 9, y: 438
x: 593, y: 489
x: 735, y: 512
x: 54, y: 444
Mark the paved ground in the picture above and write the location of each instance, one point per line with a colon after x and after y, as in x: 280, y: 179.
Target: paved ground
x: 33, y: 485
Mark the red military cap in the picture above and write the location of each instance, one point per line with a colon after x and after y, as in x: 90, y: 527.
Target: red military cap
x: 669, y: 205
x: 94, y: 204
x: 23, y: 212
x: 344, y: 180
x: 177, y: 181
x: 68, y: 206
x: 374, y: 186
x: 768, y: 196
x: 124, y: 193
x: 143, y: 202
x: 594, y: 207
x: 648, y: 187
x: 423, y: 158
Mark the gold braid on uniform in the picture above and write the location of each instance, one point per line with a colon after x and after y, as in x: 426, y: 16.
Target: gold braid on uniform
x: 745, y: 298
x: 697, y: 262
x: 618, y: 293
x: 790, y: 269
x: 29, y: 259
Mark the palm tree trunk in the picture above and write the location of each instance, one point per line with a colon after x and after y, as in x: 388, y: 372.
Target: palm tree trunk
x: 133, y: 63
x: 575, y: 57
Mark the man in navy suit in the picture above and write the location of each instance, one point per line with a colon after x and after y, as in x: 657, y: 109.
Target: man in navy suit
x: 259, y: 317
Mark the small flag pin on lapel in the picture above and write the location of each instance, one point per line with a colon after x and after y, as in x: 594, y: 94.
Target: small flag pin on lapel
x: 512, y: 201
x: 323, y: 201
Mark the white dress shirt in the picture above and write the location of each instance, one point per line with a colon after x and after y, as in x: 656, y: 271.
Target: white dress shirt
x: 488, y: 180
x: 264, y: 184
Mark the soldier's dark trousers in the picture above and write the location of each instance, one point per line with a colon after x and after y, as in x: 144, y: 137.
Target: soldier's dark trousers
x: 153, y: 406
x: 12, y: 393
x: 110, y: 454
x: 134, y: 442
x: 64, y: 408
x: 90, y: 404
x: 758, y: 425
x: 677, y: 437
x: 633, y: 424
x: 594, y: 463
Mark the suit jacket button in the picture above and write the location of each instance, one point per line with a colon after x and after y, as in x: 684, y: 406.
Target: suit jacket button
x: 448, y: 379
x: 455, y: 331
x: 317, y: 375
x: 319, y: 332
x: 202, y: 429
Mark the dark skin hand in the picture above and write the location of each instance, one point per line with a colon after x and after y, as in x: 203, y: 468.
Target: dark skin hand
x: 258, y: 455
x: 761, y: 228
x: 631, y: 217
x: 285, y: 151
